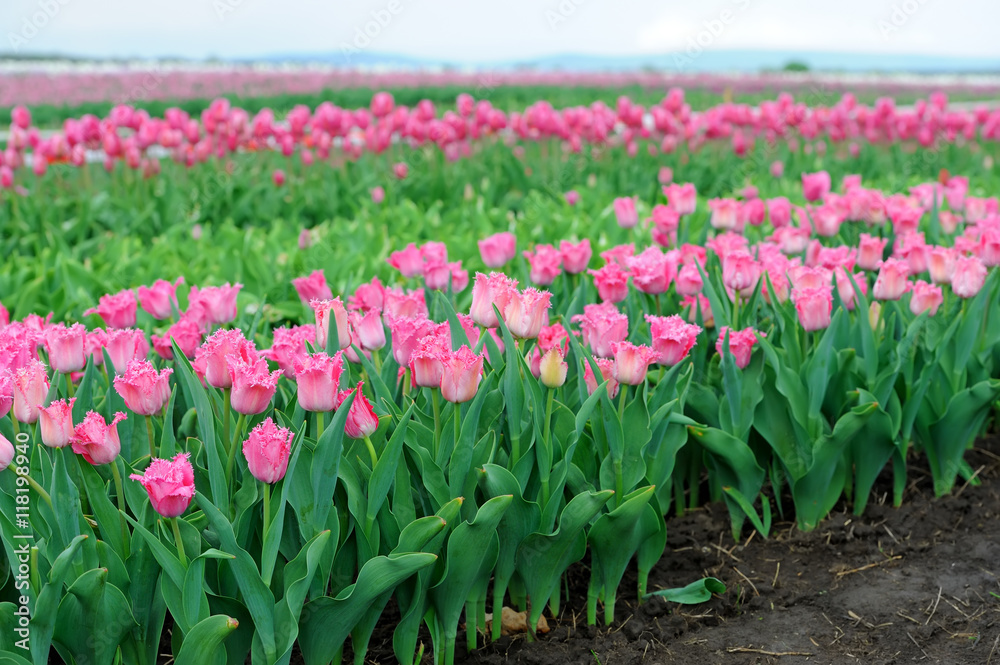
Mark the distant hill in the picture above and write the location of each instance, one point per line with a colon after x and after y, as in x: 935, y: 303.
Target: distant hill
x: 681, y: 62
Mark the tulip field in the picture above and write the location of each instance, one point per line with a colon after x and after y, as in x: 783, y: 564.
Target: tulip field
x: 275, y: 382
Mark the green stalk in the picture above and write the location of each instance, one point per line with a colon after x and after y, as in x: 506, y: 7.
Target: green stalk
x: 33, y: 484
x: 377, y: 360
x: 619, y: 473
x: 736, y: 312
x: 547, y: 442
x: 17, y: 428
x: 319, y: 425
x: 119, y: 490
x: 458, y: 425
x: 180, y: 541
x: 371, y: 450
x: 152, y: 439
x: 267, y: 521
x: 232, y: 449
x: 471, y: 627
x: 436, y: 406
x: 69, y: 385
x: 406, y: 384
x: 36, y: 578
x: 227, y: 407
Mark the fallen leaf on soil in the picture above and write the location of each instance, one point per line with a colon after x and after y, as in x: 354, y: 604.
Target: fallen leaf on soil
x: 512, y: 623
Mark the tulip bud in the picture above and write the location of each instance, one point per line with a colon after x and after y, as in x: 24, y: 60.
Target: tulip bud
x: 553, y: 369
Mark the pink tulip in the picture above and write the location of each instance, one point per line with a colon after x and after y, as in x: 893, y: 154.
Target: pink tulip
x: 652, y: 270
x: 368, y: 296
x: 217, y: 304
x: 625, y: 212
x: 611, y: 282
x: 682, y: 198
x: 378, y: 194
x: 498, y: 249
x: 725, y: 214
x: 526, y: 313
x: 369, y: 328
x: 253, y: 384
x: 672, y: 337
x: 407, y: 261
x: 214, y: 355
x: 689, y: 280
x: 6, y: 393
x: 607, y: 374
x: 160, y: 300
x: 67, y: 347
x: 6, y: 452
x: 267, y: 450
x: 400, y: 170
x: 575, y: 257
x: 461, y: 374
x: 487, y: 291
x: 572, y: 197
x: 96, y: 439
x: 753, y: 212
x: 740, y: 272
x: 313, y: 287
x: 278, y: 176
x: 117, y: 310
x: 815, y: 186
x: 925, y: 298
x: 546, y: 264
x: 186, y: 332
x: 826, y: 220
x: 31, y: 386
x: 55, y: 422
x: 740, y: 344
x: 631, y: 362
x: 322, y: 310
x: 968, y: 278
x: 427, y: 360
x: 870, y: 251
x: 601, y: 325
x: 169, y: 484
x: 397, y: 304
x: 846, y: 290
x: 434, y: 252
x: 665, y: 175
x: 989, y: 247
x: 288, y: 346
x: 406, y: 334
x: 941, y: 264
x: 779, y: 211
x: 305, y: 239
x: 318, y: 379
x: 144, y: 390
x: 891, y: 283
x: 362, y: 421
x: 814, y: 306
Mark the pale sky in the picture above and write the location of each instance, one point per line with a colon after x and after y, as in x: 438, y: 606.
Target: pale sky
x: 486, y: 30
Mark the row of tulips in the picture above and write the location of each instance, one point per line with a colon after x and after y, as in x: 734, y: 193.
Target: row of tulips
x: 328, y: 132
x: 398, y: 448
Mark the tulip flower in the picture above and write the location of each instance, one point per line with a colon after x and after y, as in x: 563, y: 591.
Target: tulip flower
x: 682, y: 198
x: 891, y: 282
x: 160, y: 300
x: 575, y: 257
x: 725, y: 214
x: 601, y: 325
x: 368, y: 296
x: 625, y: 212
x: 169, y: 484
x: 215, y: 304
x: 925, y: 297
x: 378, y: 194
x: 631, y: 362
x: 606, y: 366
x: 362, y: 421
x: 407, y: 261
x: 55, y: 422
x: 96, y: 439
x: 461, y: 374
x: 526, y: 312
x: 253, y: 384
x: 186, y: 332
x: 31, y: 386
x: 572, y: 197
x: 215, y: 352
x: 267, y: 449
x: 815, y: 185
x: 318, y: 379
x: 6, y: 452
x: 144, y: 390
x: 870, y: 251
x: 397, y: 304
x: 941, y: 264
x: 779, y: 212
x: 673, y: 338
x: 611, y: 282
x: 117, y: 310
x: 406, y: 333
x: 6, y: 393
x: 369, y: 328
x: 740, y: 272
x: 552, y: 368
x: 813, y: 306
x: 740, y: 344
x: 313, y: 287
x: 968, y: 278
x: 487, y: 291
x: 652, y: 271
x: 322, y: 310
x: 66, y: 347
x: 546, y: 264
x: 498, y: 249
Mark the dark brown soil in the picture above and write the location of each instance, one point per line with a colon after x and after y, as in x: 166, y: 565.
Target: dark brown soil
x: 919, y: 583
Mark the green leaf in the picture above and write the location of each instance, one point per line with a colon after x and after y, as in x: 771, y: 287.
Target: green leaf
x: 202, y: 644
x: 692, y: 594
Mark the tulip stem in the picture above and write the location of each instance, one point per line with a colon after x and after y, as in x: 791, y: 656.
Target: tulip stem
x: 17, y: 428
x: 377, y: 359
x: 458, y: 424
x: 267, y: 516
x: 152, y: 439
x: 736, y: 313
x: 406, y: 384
x: 227, y: 408
x: 371, y: 451
x: 69, y: 385
x: 232, y: 449
x: 33, y: 484
x: 120, y: 492
x: 180, y: 541
x: 319, y: 425
x: 547, y: 443
x: 436, y: 406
